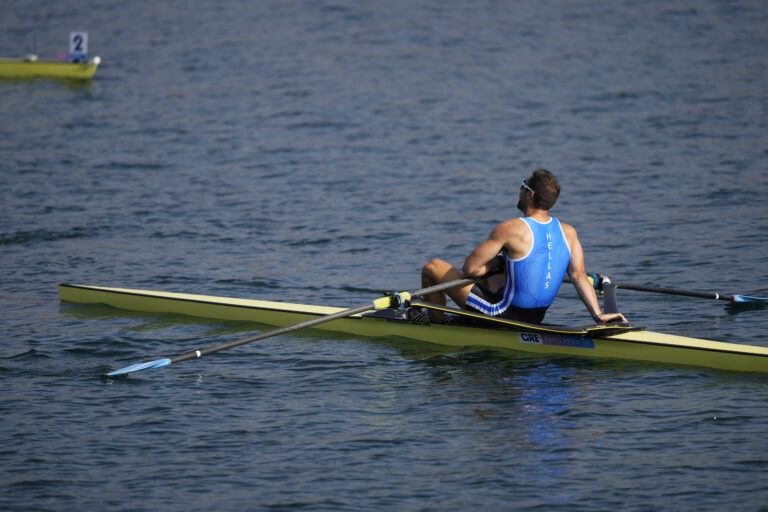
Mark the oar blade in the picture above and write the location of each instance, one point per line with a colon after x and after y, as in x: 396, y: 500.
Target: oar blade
x: 157, y: 363
x: 747, y: 298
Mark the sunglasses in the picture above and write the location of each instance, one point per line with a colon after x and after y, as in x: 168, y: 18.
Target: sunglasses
x: 524, y: 185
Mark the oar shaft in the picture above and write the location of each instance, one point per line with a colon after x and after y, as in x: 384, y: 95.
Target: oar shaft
x: 384, y: 302
x: 451, y: 284
x: 598, y: 280
x: 275, y: 332
x: 669, y: 291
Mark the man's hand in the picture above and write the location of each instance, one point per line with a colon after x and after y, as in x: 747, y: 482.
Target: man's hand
x: 606, y: 318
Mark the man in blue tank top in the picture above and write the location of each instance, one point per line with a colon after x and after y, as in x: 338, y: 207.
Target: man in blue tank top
x: 534, y: 253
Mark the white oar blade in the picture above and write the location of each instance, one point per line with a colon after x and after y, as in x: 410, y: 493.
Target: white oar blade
x: 157, y: 363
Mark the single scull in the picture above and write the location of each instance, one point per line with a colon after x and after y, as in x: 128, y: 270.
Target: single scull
x: 32, y: 68
x: 613, y: 341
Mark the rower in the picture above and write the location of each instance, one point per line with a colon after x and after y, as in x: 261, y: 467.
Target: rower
x: 533, y: 252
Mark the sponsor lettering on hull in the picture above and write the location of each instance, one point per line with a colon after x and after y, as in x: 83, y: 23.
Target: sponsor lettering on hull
x: 556, y: 339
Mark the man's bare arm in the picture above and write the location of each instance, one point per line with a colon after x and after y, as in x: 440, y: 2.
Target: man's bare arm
x: 481, y: 261
x: 584, y: 288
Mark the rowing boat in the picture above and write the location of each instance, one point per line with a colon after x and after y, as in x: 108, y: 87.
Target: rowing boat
x: 77, y: 67
x: 612, y: 341
x: 30, y: 67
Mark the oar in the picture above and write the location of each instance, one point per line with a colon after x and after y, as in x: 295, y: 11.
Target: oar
x: 382, y: 303
x: 597, y: 281
x: 686, y: 293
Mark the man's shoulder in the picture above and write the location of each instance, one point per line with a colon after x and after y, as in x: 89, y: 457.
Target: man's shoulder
x: 517, y: 221
x: 511, y: 225
x: 568, y: 230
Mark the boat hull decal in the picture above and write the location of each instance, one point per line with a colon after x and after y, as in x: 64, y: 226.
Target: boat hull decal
x: 535, y: 338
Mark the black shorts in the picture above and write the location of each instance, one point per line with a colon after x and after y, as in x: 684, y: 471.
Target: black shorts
x: 514, y: 313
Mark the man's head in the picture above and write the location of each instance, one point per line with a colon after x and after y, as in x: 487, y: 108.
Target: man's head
x: 542, y: 187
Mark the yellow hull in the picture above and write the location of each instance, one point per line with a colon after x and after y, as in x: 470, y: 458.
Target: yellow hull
x: 22, y: 69
x: 634, y: 345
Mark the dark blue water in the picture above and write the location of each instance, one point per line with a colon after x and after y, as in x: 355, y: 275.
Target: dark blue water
x: 322, y: 151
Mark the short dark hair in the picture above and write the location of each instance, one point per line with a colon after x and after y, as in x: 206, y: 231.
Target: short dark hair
x: 546, y: 189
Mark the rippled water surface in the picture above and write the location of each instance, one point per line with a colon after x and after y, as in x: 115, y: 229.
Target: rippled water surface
x: 322, y: 151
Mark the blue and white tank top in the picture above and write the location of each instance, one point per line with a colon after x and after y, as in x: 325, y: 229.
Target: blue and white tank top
x: 534, y: 279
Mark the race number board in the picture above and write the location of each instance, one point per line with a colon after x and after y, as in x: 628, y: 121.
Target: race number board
x: 78, y: 45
